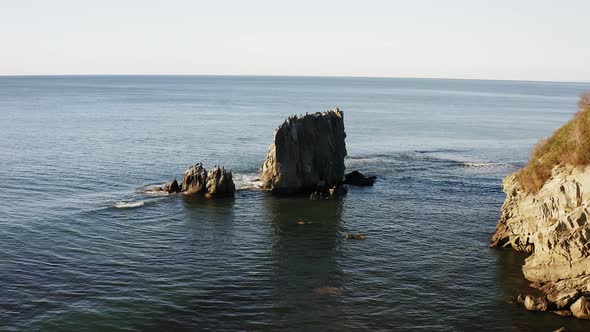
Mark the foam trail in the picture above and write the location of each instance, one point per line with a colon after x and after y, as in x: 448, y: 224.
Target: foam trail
x: 128, y: 205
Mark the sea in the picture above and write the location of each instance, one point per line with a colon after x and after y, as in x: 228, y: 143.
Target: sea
x: 84, y: 248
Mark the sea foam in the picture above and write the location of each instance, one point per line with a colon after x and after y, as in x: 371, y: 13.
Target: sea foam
x: 128, y: 205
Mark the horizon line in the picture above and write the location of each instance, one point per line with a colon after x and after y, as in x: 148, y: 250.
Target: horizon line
x: 302, y: 76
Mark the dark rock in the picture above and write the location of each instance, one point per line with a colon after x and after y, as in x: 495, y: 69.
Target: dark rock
x: 306, y: 150
x: 324, y: 192
x: 171, y: 187
x: 356, y: 178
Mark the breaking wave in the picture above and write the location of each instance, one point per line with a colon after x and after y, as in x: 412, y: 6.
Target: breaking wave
x: 247, y: 181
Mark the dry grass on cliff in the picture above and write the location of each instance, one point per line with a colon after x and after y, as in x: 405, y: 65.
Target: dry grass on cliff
x: 570, y: 144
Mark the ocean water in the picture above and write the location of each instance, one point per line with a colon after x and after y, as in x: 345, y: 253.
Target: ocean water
x: 83, y: 249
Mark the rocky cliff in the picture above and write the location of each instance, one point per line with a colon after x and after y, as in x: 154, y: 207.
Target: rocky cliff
x: 553, y: 226
x: 308, y: 153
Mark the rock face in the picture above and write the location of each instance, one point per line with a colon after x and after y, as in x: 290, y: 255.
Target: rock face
x: 553, y: 226
x: 581, y: 308
x: 195, y: 180
x: 356, y: 178
x: 307, y: 150
x: 220, y: 183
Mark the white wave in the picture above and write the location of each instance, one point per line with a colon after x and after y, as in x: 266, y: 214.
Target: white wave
x: 484, y: 165
x: 155, y: 192
x: 247, y: 181
x: 477, y: 164
x: 128, y: 204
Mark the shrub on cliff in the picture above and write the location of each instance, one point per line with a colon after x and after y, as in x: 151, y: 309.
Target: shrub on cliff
x: 570, y: 144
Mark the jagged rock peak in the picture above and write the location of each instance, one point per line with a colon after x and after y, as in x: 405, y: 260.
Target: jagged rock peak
x: 195, y: 180
x: 220, y: 182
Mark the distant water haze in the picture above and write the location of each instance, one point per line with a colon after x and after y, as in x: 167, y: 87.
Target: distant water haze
x: 84, y: 249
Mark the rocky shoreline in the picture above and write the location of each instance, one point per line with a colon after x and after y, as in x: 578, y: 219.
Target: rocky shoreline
x: 551, y: 225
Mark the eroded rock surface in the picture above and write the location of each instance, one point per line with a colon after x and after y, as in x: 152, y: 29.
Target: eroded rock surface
x: 536, y: 303
x: 220, y: 182
x: 217, y: 183
x: 581, y: 308
x: 552, y: 225
x: 307, y: 150
x: 195, y: 180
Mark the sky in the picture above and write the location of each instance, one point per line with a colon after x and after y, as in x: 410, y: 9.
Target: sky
x: 499, y: 39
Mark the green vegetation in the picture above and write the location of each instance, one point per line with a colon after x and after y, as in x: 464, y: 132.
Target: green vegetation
x: 570, y: 144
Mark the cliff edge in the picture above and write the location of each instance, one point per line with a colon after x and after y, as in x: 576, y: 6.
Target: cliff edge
x: 546, y: 213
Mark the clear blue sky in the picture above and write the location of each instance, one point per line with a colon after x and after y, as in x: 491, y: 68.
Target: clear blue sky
x: 500, y: 39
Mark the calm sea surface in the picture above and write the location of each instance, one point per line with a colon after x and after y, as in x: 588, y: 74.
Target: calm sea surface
x: 81, y: 249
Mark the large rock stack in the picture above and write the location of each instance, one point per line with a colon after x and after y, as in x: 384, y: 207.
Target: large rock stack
x: 307, y: 155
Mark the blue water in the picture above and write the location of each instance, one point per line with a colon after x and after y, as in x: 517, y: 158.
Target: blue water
x: 82, y: 249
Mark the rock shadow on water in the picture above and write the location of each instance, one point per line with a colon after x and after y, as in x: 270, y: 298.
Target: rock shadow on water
x: 196, y: 206
x: 305, y: 246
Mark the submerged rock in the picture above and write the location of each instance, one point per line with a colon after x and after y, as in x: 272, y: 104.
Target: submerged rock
x: 195, y: 180
x: 324, y: 192
x: 307, y: 150
x: 356, y: 178
x: 220, y: 183
x: 328, y: 290
x: 356, y: 236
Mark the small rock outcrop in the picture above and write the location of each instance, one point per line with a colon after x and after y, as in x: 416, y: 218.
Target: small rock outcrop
x: 356, y: 178
x: 195, y: 180
x: 171, y: 187
x: 308, y: 152
x: 217, y: 183
x: 581, y: 308
x: 356, y: 236
x: 536, y: 303
x: 220, y: 183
